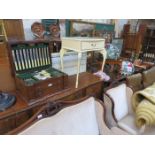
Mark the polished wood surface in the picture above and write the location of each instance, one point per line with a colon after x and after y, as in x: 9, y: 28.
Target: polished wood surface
x: 132, y: 42
x: 35, y: 55
x: 21, y: 111
x: 14, y: 29
x: 148, y: 47
x: 7, y: 82
x: 3, y: 50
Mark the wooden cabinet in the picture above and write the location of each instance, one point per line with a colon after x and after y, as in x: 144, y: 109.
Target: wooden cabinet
x: 3, y: 50
x: 14, y: 29
x: 132, y: 42
x: 89, y: 85
x: 148, y: 47
x: 7, y: 124
x: 7, y: 82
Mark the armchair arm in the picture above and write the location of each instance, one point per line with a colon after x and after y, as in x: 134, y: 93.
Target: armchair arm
x: 103, y: 128
x: 129, y: 93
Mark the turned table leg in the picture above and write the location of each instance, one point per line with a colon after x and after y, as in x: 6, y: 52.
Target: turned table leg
x: 78, y: 69
x: 104, y: 53
x: 62, y: 52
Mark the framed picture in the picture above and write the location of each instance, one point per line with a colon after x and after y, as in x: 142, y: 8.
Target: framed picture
x: 82, y: 29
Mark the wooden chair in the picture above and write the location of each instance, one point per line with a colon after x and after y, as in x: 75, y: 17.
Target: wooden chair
x: 117, y: 102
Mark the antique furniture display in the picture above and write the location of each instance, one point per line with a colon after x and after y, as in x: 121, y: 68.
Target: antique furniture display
x: 148, y: 46
x: 125, y: 113
x: 3, y: 35
x: 119, y: 111
x: 7, y: 82
x: 132, y: 43
x: 78, y: 117
x: 14, y: 29
x: 81, y: 45
x: 6, y: 79
x: 21, y: 111
x: 33, y: 72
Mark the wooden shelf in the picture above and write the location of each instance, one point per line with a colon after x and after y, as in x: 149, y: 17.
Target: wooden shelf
x: 150, y: 37
x: 148, y: 45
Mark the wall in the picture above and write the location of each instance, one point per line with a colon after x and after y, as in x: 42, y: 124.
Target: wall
x: 149, y: 22
x: 106, y: 21
x: 28, y: 22
x: 119, y: 23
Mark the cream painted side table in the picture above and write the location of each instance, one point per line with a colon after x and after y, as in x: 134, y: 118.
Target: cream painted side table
x: 81, y: 45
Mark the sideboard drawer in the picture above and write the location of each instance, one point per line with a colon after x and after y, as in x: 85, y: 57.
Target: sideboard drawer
x: 92, y: 45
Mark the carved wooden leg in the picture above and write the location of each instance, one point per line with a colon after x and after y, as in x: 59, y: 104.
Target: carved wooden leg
x: 62, y: 52
x: 78, y: 69
x: 104, y: 53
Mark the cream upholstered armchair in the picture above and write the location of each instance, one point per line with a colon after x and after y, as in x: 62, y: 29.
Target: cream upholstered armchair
x: 84, y: 117
x: 119, y: 113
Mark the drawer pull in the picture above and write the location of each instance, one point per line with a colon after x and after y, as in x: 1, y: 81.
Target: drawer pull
x: 50, y: 85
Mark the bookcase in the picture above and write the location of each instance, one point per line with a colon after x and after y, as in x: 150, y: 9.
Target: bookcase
x: 148, y: 46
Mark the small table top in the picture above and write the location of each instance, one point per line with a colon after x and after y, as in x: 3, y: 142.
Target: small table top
x: 83, y: 39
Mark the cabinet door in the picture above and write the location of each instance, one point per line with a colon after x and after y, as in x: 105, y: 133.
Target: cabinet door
x: 7, y: 82
x: 24, y: 116
x: 7, y: 124
x: 95, y: 90
x: 77, y: 95
x: 14, y: 29
x: 3, y: 51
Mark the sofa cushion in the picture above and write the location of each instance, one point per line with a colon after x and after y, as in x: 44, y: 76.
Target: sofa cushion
x: 118, y: 131
x: 149, y: 77
x: 76, y: 119
x: 119, y: 96
x: 149, y: 131
x: 128, y: 124
x: 135, y: 81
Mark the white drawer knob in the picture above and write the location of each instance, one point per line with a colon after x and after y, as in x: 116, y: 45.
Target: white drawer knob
x: 50, y: 85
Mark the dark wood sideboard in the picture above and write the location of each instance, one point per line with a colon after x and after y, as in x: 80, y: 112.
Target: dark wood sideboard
x: 89, y: 85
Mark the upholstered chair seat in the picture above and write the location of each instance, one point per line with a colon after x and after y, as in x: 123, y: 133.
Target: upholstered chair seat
x: 117, y: 102
x: 128, y: 124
